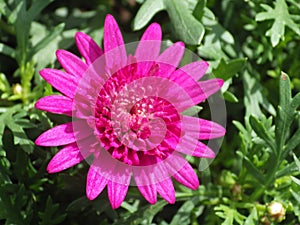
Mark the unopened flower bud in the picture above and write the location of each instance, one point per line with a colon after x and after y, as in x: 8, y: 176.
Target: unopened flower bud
x: 17, y: 89
x: 276, y: 211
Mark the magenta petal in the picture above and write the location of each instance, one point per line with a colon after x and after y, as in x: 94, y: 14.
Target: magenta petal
x: 146, y: 184
x: 202, y: 129
x: 63, y: 82
x: 186, y: 174
x: 196, y: 69
x: 113, y: 40
x: 117, y: 193
x: 172, y: 55
x: 166, y: 189
x: 149, y: 45
x: 61, y: 135
x: 71, y: 63
x: 208, y: 88
x: 87, y: 47
x: 191, y: 146
x: 149, y: 193
x: 65, y: 158
x: 95, y: 182
x: 55, y: 104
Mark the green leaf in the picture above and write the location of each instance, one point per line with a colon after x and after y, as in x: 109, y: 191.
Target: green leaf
x: 262, y: 132
x: 285, y: 112
x: 186, y: 26
x: 226, y: 70
x: 287, y: 170
x: 6, y: 50
x: 4, y: 84
x: 281, y: 17
x: 183, y: 215
x: 192, y: 111
x: 4, y: 9
x: 251, y: 168
x: 295, y: 102
x: 229, y: 214
x: 19, y: 134
x: 146, y: 12
x: 292, y: 143
x: 37, y: 7
x: 252, y: 218
x: 296, y: 180
x: 144, y: 215
x: 50, y: 215
x: 230, y: 97
x: 199, y: 9
x: 45, y: 41
x: 254, y: 97
x: 296, y: 196
x: 297, y: 161
x: 285, y: 94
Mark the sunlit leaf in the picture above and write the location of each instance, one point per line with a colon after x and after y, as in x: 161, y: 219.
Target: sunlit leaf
x: 282, y: 18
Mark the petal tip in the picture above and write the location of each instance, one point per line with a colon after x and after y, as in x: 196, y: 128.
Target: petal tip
x: 180, y: 43
x: 220, y: 82
x: 109, y: 19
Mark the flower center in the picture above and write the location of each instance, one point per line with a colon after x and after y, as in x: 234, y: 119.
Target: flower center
x: 133, y: 126
x: 140, y: 118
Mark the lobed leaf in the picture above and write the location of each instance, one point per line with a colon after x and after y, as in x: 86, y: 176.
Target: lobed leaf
x: 186, y: 26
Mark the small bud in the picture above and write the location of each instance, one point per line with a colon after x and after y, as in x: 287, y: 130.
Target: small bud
x: 17, y: 89
x: 276, y: 211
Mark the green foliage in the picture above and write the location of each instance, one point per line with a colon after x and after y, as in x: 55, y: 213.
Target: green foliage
x: 281, y: 17
x: 259, y: 162
x: 186, y: 27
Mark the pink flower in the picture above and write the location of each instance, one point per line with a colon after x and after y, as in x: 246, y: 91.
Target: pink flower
x: 127, y: 115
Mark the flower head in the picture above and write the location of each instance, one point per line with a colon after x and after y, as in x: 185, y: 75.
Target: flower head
x: 127, y: 114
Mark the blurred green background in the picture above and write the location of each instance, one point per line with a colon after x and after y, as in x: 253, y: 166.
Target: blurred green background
x: 253, y: 179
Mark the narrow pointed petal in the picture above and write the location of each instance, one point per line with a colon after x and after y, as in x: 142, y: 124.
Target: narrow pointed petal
x: 172, y: 55
x: 149, y: 45
x: 55, y: 104
x: 182, y: 171
x: 208, y: 88
x: 202, y: 129
x: 71, y: 63
x: 95, y: 182
x: 146, y: 184
x: 113, y: 40
x: 117, y: 193
x: 87, y: 47
x: 63, y: 82
x: 191, y: 146
x: 166, y: 190
x: 187, y: 177
x: 149, y: 193
x: 196, y: 69
x: 61, y: 135
x: 65, y: 158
